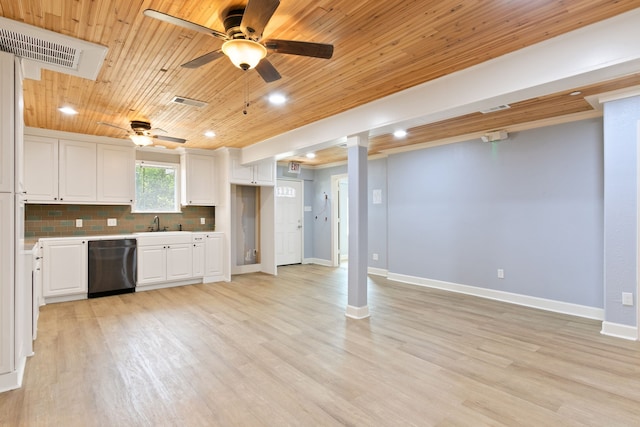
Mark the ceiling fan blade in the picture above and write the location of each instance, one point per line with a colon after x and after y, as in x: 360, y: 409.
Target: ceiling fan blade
x: 114, y: 126
x: 291, y: 47
x: 256, y: 16
x: 169, y: 139
x: 267, y: 71
x: 204, y: 59
x: 183, y: 23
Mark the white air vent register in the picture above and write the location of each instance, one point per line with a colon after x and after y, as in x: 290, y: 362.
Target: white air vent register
x: 41, y: 48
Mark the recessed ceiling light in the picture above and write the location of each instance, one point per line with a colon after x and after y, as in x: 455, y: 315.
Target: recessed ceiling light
x: 574, y: 93
x: 277, y: 99
x: 400, y: 133
x: 311, y: 155
x: 209, y: 134
x: 67, y: 110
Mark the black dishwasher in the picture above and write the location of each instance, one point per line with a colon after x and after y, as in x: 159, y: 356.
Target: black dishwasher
x: 112, y: 267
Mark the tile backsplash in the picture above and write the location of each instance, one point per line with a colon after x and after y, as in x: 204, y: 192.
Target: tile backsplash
x: 60, y: 220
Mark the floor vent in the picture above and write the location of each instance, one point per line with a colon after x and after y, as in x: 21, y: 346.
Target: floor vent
x: 188, y: 101
x: 497, y: 108
x: 40, y: 48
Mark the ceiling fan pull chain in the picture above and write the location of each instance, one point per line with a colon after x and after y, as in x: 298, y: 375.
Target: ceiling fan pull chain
x: 246, y: 95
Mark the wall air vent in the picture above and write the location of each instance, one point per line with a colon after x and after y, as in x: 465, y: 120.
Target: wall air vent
x: 39, y: 48
x: 497, y: 108
x: 187, y: 101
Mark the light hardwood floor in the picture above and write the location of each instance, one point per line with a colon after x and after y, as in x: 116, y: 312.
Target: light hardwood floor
x: 279, y: 351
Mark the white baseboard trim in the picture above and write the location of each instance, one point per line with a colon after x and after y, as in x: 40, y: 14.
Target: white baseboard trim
x: 318, y: 261
x: 619, y: 331
x: 357, y: 312
x: 13, y: 380
x: 524, y: 300
x: 377, y: 271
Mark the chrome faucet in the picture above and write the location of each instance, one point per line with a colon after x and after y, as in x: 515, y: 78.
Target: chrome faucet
x: 156, y: 222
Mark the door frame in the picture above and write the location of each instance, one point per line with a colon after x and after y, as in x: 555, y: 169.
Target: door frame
x: 335, y: 238
x: 301, y: 181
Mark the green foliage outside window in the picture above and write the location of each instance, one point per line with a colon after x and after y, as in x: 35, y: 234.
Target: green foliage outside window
x: 156, y: 188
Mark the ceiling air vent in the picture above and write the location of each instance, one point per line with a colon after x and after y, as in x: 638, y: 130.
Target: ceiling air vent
x: 39, y: 48
x: 187, y: 101
x: 497, y: 108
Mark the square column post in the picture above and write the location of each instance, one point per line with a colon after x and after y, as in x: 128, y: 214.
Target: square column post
x: 357, y: 146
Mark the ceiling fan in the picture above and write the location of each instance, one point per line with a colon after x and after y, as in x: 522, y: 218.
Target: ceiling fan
x: 243, y: 43
x: 142, y: 134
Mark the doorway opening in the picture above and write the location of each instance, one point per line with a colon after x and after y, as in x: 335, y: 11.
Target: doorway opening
x: 340, y: 219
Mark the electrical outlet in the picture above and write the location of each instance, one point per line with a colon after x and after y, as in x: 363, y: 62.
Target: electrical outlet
x: 202, y: 221
x: 627, y: 298
x: 78, y: 223
x: 500, y: 273
x: 375, y: 257
x: 112, y: 222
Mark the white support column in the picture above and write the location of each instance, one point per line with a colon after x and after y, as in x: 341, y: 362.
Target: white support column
x: 357, y: 146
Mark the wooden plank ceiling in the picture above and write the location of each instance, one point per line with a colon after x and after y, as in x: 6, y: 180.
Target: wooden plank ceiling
x: 380, y: 48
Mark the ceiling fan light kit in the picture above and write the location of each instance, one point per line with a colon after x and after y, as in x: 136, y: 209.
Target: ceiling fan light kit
x: 244, y: 54
x: 141, y: 140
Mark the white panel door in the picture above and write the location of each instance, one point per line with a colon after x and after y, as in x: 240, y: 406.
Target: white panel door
x: 288, y: 233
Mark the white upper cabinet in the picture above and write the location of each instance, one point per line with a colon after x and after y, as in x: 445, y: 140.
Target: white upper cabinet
x: 7, y: 119
x: 77, y: 173
x: 115, y: 174
x: 40, y: 168
x: 199, y: 186
x: 70, y: 171
x: 260, y: 173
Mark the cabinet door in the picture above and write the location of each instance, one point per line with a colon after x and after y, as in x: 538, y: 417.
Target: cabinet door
x: 77, y: 171
x: 265, y: 173
x: 40, y: 168
x: 152, y: 265
x: 179, y: 262
x: 199, y: 181
x: 213, y: 255
x: 6, y: 284
x: 198, y: 259
x: 116, y: 173
x: 7, y: 121
x: 64, y: 268
x: 240, y: 174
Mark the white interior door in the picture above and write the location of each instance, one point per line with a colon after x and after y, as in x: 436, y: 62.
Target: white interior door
x: 288, y: 233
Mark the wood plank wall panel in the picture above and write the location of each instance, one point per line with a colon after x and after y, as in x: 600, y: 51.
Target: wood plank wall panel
x: 380, y: 48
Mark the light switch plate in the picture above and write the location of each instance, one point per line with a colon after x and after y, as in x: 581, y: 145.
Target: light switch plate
x: 112, y: 222
x: 78, y: 223
x: 202, y: 221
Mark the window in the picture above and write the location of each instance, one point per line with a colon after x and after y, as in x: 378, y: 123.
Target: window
x: 156, y: 187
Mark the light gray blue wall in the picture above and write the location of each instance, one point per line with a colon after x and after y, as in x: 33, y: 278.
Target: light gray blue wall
x: 532, y: 205
x: 378, y: 213
x: 620, y: 220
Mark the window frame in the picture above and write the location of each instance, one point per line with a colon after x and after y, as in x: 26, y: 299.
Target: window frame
x: 165, y: 165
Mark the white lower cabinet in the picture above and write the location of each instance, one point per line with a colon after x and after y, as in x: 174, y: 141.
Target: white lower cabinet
x: 213, y: 256
x: 208, y: 245
x: 64, y: 264
x: 198, y: 255
x: 164, y: 258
